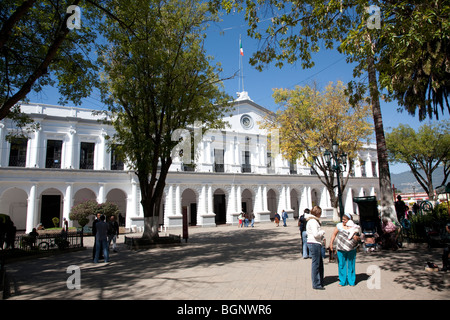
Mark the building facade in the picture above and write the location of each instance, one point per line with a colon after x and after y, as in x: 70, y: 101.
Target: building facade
x: 67, y: 161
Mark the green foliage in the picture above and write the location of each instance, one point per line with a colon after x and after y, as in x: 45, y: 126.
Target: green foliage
x: 435, y: 220
x: 410, y: 47
x: 82, y: 211
x: 108, y: 209
x: 157, y: 79
x: 55, y: 221
x: 423, y: 151
x: 37, y: 49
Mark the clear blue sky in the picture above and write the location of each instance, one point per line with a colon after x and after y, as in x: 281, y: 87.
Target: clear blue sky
x: 223, y: 44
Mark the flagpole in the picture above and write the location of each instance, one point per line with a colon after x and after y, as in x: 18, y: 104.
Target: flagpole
x: 241, y: 65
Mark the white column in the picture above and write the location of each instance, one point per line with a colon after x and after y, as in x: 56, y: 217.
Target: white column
x: 259, y: 200
x: 178, y: 201
x: 309, y: 198
x: 132, y: 201
x: 69, y: 147
x: 232, y: 201
x: 68, y: 202
x: 2, y: 145
x: 31, y: 210
x: 265, y: 206
x: 34, y: 148
x: 101, y: 163
x: 210, y: 200
x: 101, y: 193
x: 288, y: 198
x: 202, y: 201
x: 169, y: 202
x: 238, y: 199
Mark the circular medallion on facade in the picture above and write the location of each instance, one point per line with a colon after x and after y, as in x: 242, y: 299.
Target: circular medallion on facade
x: 246, y: 121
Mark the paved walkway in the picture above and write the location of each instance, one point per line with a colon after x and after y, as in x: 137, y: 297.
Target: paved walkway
x: 228, y: 263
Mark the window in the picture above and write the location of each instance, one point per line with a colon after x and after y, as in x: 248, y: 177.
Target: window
x: 374, y: 169
x: 53, y: 157
x: 87, y: 155
x: 218, y: 160
x: 293, y: 166
x: 116, y: 160
x: 18, y: 152
x: 246, y: 166
x: 270, y: 169
x: 363, y: 169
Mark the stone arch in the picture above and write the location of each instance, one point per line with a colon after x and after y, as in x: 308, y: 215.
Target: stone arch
x: 295, y: 201
x: 248, y: 200
x: 119, y: 197
x: 51, y: 206
x: 315, y: 197
x: 189, y: 200
x: 272, y: 201
x: 14, y: 202
x: 220, y: 205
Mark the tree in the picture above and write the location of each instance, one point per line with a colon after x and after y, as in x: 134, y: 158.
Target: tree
x: 299, y: 28
x: 38, y: 49
x: 311, y: 121
x: 417, y: 76
x: 424, y: 151
x: 157, y: 79
x: 82, y: 211
x: 40, y: 46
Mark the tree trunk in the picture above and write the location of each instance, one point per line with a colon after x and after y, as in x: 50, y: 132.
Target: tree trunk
x: 385, y: 196
x: 151, y: 225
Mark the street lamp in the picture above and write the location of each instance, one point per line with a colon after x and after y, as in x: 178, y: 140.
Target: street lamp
x: 334, y: 162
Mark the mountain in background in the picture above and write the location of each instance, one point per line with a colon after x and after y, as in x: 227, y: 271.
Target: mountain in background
x: 405, y: 181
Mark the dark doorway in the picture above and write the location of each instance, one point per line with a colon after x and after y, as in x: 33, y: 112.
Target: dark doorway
x: 220, y: 208
x: 193, y: 214
x: 50, y: 208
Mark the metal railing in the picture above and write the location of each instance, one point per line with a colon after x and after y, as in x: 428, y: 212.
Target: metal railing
x: 47, y: 242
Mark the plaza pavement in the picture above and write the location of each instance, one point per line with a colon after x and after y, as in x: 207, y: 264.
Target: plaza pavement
x: 228, y: 263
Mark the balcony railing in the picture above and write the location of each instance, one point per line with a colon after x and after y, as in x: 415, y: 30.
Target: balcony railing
x: 16, y: 161
x: 219, y: 167
x: 86, y: 165
x: 246, y: 168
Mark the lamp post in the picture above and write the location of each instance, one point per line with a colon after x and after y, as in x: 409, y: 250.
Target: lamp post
x: 334, y: 162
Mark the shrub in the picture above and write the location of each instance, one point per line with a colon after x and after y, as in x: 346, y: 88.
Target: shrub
x: 55, y: 221
x: 82, y: 211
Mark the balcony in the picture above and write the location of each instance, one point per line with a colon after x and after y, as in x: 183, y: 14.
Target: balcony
x: 219, y: 167
x: 246, y: 168
x: 53, y: 163
x: 89, y: 165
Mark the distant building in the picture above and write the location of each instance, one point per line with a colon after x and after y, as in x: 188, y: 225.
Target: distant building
x: 67, y: 161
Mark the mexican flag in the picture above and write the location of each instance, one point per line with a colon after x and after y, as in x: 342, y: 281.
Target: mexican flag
x: 241, y: 51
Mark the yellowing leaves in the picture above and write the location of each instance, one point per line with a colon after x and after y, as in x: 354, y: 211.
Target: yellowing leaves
x: 311, y: 120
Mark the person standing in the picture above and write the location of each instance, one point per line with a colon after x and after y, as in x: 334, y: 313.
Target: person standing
x: 346, y: 251
x: 101, y: 239
x: 400, y: 208
x: 94, y: 233
x: 113, y: 232
x: 277, y: 219
x: 251, y: 217
x: 284, y: 216
x: 303, y: 235
x: 315, y: 238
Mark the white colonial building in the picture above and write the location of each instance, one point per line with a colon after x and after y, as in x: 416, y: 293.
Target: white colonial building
x: 67, y: 161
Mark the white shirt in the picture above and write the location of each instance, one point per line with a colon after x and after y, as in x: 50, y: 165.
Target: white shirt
x: 313, y: 232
